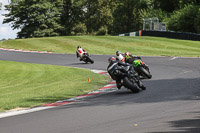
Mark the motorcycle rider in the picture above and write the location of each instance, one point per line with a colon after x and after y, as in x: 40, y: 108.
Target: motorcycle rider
x: 120, y: 56
x: 112, y: 62
x: 130, y: 58
x: 79, y: 52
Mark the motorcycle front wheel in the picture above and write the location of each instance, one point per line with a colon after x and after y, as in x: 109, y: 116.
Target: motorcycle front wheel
x: 90, y: 60
x: 145, y: 72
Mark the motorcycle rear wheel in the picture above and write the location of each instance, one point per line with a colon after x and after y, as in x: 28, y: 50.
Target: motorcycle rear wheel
x: 128, y: 84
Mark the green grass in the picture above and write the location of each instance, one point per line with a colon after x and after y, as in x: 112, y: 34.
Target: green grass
x: 26, y: 85
x: 147, y: 46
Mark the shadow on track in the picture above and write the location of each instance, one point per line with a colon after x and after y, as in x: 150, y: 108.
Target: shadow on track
x: 157, y: 91
x: 81, y: 63
x: 185, y: 125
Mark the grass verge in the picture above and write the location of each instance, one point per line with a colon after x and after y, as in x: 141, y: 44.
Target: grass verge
x: 147, y: 46
x: 25, y: 85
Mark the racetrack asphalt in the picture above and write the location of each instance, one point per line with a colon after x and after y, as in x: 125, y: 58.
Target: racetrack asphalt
x: 170, y: 104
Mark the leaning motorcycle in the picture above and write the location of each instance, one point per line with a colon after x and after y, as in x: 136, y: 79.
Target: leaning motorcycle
x: 87, y: 58
x: 128, y: 77
x: 142, y: 69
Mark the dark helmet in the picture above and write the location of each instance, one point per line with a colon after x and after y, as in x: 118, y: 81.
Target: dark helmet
x: 118, y: 53
x: 111, y: 59
x: 78, y: 47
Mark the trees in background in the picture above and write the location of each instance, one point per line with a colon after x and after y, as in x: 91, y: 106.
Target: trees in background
x: 35, y: 18
x: 186, y: 19
x: 98, y: 16
x: 125, y: 16
x: 39, y: 18
x: 180, y: 15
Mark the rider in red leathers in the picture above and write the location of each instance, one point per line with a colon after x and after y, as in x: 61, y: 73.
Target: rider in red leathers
x: 79, y: 53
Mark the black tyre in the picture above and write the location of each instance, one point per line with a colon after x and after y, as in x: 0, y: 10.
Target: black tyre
x: 145, y: 72
x: 90, y: 60
x: 128, y: 84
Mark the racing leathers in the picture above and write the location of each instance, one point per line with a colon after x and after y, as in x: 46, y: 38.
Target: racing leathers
x: 120, y: 75
x: 130, y: 58
x: 111, y: 72
x: 120, y: 57
x: 80, y: 52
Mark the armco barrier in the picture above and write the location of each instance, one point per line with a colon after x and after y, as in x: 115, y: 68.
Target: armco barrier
x: 168, y: 34
x: 172, y: 34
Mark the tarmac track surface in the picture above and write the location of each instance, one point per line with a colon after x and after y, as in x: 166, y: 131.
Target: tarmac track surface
x: 171, y: 103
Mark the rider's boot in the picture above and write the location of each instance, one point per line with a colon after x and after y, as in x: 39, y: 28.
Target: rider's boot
x: 140, y: 84
x: 119, y: 84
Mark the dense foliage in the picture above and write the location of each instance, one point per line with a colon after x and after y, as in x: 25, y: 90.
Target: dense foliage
x: 35, y: 18
x: 185, y: 19
x: 39, y: 18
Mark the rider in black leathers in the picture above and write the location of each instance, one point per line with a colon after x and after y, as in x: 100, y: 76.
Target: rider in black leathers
x: 112, y: 62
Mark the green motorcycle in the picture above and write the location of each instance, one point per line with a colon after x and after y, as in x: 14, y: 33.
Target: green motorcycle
x: 142, y: 69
